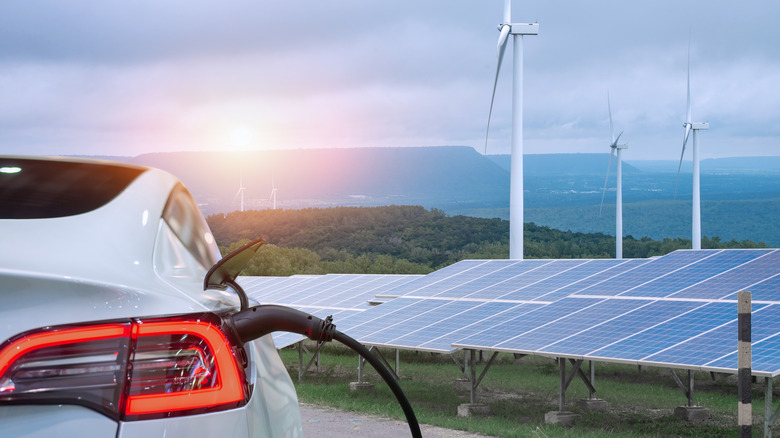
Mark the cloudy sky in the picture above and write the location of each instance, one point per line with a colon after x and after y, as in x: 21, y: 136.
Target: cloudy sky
x: 129, y: 77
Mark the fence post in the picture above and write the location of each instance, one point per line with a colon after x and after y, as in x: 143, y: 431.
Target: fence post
x: 744, y: 362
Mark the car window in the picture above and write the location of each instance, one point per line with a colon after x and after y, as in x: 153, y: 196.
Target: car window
x: 38, y: 189
x: 182, y: 215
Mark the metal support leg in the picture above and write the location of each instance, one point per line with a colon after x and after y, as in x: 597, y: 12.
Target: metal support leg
x: 473, y: 376
x: 592, y: 368
x: 461, y: 366
x: 769, y: 416
x: 314, y: 358
x: 562, y: 393
x: 768, y: 407
x: 360, y: 369
x: 300, y: 361
x: 689, y: 390
x: 381, y: 357
x: 397, y: 361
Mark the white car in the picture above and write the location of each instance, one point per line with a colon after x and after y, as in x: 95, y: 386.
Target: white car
x: 105, y: 325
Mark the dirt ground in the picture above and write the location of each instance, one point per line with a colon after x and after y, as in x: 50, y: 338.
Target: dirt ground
x: 325, y: 422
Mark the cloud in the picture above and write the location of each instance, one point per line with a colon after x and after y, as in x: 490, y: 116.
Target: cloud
x: 132, y: 77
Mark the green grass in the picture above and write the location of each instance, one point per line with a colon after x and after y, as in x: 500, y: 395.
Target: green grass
x: 520, y: 392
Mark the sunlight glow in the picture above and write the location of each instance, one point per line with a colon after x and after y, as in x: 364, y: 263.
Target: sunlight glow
x: 241, y: 136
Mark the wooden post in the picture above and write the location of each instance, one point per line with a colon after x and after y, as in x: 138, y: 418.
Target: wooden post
x: 744, y: 362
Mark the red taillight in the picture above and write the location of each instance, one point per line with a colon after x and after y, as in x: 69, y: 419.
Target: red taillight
x: 182, y: 367
x: 129, y: 370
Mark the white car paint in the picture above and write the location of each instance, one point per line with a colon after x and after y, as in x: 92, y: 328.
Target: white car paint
x: 122, y: 260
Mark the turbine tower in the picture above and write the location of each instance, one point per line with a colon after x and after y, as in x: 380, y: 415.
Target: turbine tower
x: 695, y: 127
x: 614, y: 146
x: 517, y: 30
x: 241, y: 189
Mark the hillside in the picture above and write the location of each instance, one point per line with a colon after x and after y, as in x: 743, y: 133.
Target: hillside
x: 740, y: 196
x: 438, y: 177
x: 406, y: 240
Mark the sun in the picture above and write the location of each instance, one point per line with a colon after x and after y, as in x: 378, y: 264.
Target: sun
x: 241, y: 137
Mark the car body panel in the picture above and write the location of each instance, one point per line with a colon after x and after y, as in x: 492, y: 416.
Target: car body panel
x: 122, y: 260
x: 61, y: 421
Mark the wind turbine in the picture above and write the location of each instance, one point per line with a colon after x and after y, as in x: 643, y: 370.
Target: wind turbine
x: 619, y: 202
x: 517, y: 30
x: 241, y: 189
x: 692, y: 127
x: 272, y: 198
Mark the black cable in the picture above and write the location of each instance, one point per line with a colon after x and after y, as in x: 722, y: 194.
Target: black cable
x: 258, y: 321
x: 411, y: 419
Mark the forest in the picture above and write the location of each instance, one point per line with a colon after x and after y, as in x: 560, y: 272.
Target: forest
x: 409, y: 240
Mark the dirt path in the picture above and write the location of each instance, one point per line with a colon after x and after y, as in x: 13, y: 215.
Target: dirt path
x: 325, y: 422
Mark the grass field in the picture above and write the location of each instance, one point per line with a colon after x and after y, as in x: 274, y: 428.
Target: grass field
x: 520, y: 391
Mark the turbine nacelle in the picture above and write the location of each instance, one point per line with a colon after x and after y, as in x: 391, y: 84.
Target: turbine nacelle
x: 520, y: 28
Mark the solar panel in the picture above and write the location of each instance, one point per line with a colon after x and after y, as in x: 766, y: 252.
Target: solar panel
x: 766, y: 356
x: 549, y: 289
x: 524, y: 277
x: 615, y: 329
x: 431, y: 278
x: 480, y: 274
x: 766, y: 290
x: 694, y: 273
x: 391, y: 313
x: 742, y: 277
x: 441, y: 336
x: 418, y: 321
x: 646, y: 272
x: 510, y: 328
x: 569, y: 325
x: 598, y: 277
x: 652, y: 341
x: 721, y: 342
x: 492, y: 274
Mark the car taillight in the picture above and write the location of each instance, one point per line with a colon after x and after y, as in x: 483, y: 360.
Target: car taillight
x: 127, y: 370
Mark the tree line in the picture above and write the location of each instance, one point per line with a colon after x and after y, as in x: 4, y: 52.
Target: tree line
x: 408, y: 240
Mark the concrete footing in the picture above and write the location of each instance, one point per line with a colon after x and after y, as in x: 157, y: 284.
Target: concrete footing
x: 593, y: 404
x: 692, y: 413
x: 475, y: 410
x: 564, y: 418
x: 364, y: 387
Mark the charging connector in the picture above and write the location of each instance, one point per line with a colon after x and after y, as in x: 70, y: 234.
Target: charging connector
x: 258, y: 321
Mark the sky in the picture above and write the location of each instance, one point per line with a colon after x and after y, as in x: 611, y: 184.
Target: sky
x: 108, y: 77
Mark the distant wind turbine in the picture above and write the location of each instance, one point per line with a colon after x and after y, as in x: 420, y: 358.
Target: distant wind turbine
x: 241, y: 189
x: 517, y: 30
x: 619, y: 207
x: 692, y: 126
x: 272, y: 198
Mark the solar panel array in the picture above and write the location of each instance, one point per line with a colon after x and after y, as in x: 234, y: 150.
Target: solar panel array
x: 678, y: 310
x: 667, y: 310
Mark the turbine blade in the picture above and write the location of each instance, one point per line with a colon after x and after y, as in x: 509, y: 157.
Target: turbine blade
x: 604, y: 192
x: 615, y: 140
x: 611, y: 129
x: 502, y: 41
x: 679, y: 166
x: 688, y: 104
